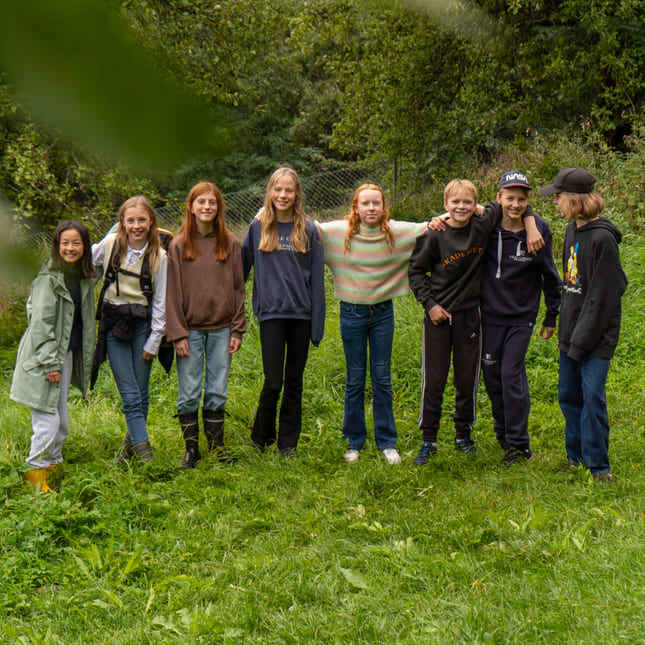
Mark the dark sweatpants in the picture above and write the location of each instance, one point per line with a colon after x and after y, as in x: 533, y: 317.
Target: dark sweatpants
x: 504, y: 370
x: 462, y: 338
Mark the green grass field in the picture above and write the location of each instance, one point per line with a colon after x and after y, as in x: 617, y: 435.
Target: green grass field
x: 312, y: 550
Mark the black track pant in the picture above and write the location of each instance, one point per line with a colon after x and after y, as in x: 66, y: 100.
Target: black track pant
x: 460, y: 337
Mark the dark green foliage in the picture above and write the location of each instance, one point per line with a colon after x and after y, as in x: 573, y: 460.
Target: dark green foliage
x: 433, y: 85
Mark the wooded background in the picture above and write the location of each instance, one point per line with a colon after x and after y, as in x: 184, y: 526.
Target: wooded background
x: 101, y: 100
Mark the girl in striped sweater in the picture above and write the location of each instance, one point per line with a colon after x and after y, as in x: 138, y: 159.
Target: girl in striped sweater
x: 368, y: 255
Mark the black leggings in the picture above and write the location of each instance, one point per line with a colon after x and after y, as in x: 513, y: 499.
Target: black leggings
x: 276, y: 336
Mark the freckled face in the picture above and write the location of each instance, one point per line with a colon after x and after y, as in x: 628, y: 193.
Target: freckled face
x: 204, y: 208
x: 70, y: 246
x: 369, y: 207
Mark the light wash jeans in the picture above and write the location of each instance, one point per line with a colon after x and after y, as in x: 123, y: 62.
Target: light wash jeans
x: 132, y: 376
x: 50, y: 428
x: 209, y: 356
x: 361, y: 325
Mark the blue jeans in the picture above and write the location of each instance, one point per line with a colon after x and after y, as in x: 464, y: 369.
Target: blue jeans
x: 360, y: 325
x: 581, y: 392
x: 209, y: 356
x: 132, y: 376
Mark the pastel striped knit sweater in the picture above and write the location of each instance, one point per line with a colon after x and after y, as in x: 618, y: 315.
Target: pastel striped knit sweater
x: 367, y: 274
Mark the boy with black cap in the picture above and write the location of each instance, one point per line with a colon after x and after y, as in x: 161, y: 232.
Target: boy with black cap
x: 512, y: 282
x: 594, y: 283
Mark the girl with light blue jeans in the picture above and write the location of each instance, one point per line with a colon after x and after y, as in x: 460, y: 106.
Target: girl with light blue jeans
x: 132, y: 315
x: 205, y: 316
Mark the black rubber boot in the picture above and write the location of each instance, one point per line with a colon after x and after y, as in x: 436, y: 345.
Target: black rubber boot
x: 190, y: 428
x: 214, y: 431
x: 126, y: 452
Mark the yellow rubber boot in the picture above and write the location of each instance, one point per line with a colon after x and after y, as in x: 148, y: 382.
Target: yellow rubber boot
x: 38, y: 479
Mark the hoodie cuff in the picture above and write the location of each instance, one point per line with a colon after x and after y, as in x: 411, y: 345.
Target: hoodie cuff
x: 549, y: 320
x: 575, y: 353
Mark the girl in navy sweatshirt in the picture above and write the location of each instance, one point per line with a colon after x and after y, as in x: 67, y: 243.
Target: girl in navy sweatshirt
x: 289, y: 302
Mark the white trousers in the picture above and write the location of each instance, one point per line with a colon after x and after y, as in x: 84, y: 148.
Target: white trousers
x: 50, y: 428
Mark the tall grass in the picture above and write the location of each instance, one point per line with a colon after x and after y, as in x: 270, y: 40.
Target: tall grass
x: 313, y: 550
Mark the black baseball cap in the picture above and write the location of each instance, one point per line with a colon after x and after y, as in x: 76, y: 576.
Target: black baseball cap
x: 570, y: 180
x: 513, y: 179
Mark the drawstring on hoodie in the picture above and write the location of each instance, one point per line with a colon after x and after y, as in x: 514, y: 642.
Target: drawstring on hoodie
x: 518, y: 253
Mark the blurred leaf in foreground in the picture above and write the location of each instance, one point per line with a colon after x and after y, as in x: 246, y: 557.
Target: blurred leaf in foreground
x: 18, y: 263
x: 78, y: 71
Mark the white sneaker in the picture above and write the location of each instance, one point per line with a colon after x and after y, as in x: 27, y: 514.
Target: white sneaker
x: 351, y: 455
x: 392, y: 456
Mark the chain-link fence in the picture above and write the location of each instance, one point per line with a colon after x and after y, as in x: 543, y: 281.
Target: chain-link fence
x: 327, y: 196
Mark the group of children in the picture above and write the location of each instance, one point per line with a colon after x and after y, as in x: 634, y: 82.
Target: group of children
x: 487, y: 273
x: 499, y: 257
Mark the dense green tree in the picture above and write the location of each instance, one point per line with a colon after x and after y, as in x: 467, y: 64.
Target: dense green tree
x: 426, y: 82
x: 418, y: 87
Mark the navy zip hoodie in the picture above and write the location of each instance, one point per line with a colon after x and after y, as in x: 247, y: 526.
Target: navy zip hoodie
x: 513, y: 279
x: 594, y: 282
x: 287, y: 284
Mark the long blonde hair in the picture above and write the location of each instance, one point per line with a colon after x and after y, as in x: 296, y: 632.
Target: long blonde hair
x: 581, y: 206
x: 269, y: 236
x: 154, y: 243
x: 354, y: 220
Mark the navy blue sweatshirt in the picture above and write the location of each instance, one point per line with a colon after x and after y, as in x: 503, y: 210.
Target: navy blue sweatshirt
x: 513, y: 279
x: 594, y: 282
x: 287, y: 284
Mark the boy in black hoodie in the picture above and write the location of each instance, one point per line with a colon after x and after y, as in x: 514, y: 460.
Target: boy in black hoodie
x: 512, y: 282
x: 594, y: 283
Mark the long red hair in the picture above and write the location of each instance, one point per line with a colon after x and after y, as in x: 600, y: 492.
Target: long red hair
x: 221, y: 244
x: 354, y: 221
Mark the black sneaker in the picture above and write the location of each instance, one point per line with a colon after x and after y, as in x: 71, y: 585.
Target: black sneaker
x: 513, y: 455
x: 290, y: 452
x: 428, y: 448
x: 467, y: 446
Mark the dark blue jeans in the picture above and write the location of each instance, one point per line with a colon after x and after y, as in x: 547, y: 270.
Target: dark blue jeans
x: 581, y: 392
x: 361, y: 325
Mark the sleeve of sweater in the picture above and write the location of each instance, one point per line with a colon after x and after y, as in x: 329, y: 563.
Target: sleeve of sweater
x: 158, y: 321
x: 551, y: 282
x: 424, y: 257
x: 176, y: 326
x: 317, y: 287
x: 606, y: 287
x: 248, y: 251
x: 238, y: 324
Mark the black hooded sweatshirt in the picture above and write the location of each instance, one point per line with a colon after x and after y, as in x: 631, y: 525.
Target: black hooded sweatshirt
x: 593, y: 285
